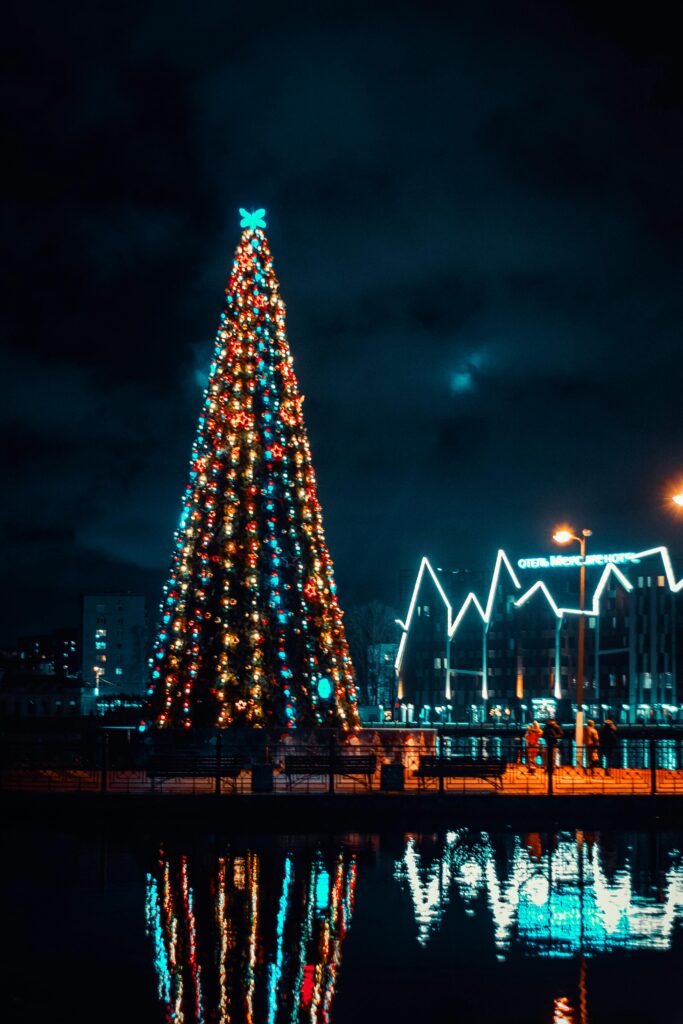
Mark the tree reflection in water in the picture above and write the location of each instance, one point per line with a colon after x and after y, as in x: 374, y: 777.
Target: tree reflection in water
x: 250, y: 937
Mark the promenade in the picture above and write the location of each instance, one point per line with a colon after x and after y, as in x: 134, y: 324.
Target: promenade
x: 417, y: 764
x: 568, y: 781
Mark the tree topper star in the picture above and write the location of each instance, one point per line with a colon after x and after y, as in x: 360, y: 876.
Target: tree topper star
x: 255, y: 219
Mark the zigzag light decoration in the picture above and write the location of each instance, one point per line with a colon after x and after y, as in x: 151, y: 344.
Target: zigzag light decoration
x: 539, y: 586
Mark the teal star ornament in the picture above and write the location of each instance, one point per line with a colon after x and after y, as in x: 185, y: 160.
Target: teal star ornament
x: 253, y: 220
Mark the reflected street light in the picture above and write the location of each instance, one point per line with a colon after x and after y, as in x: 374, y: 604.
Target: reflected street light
x: 564, y: 535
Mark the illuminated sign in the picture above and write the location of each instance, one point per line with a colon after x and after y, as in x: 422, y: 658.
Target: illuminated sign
x: 566, y: 561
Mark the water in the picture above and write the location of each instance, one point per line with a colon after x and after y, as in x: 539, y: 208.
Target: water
x: 455, y: 926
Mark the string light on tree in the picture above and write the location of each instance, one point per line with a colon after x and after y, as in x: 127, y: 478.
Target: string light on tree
x: 251, y: 630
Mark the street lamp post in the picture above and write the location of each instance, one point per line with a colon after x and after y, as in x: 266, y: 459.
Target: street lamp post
x: 564, y: 536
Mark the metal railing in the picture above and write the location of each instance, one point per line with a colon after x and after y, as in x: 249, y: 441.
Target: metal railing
x: 415, y: 762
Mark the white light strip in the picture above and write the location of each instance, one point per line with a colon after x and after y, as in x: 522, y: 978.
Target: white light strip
x: 424, y: 564
x: 668, y: 567
x: 602, y: 583
x: 502, y: 560
x: 470, y: 599
x: 409, y: 616
x: 595, y: 604
x: 539, y: 585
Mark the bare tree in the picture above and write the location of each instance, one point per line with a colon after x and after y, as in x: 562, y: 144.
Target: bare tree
x: 367, y: 625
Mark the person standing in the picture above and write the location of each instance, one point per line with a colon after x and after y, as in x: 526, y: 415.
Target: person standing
x: 608, y: 743
x: 532, y: 738
x: 592, y: 741
x: 552, y: 734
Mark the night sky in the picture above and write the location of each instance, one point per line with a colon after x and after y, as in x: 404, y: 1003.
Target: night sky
x: 476, y: 219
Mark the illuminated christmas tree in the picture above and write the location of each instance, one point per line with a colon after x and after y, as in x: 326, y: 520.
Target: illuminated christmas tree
x: 251, y: 629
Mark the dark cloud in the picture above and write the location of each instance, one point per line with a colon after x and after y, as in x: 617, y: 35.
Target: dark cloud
x: 476, y: 219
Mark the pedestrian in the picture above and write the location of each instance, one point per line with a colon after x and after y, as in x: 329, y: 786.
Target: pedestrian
x: 532, y: 738
x: 552, y: 734
x: 410, y: 753
x: 608, y: 743
x: 534, y: 846
x: 591, y: 740
x: 563, y: 1012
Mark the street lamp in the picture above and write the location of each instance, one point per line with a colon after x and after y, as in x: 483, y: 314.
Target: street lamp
x: 564, y: 535
x: 678, y: 499
x: 99, y: 673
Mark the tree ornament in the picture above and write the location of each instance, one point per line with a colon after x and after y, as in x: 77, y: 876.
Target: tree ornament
x: 253, y: 220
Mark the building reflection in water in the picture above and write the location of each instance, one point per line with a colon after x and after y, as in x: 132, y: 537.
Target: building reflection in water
x: 552, y: 897
x: 249, y: 937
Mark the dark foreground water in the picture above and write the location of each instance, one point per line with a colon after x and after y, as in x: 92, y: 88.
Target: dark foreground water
x: 455, y: 926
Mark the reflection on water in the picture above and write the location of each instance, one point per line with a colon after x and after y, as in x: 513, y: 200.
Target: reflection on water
x: 570, y: 894
x: 250, y: 937
x: 254, y: 932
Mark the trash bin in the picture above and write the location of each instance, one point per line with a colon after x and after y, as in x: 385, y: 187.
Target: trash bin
x: 262, y: 778
x: 392, y: 778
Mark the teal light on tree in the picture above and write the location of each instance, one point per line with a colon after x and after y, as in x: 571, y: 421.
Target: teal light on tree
x: 253, y: 220
x: 324, y: 689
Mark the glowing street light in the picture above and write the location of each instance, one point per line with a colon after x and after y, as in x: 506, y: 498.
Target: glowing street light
x: 564, y: 535
x: 678, y: 499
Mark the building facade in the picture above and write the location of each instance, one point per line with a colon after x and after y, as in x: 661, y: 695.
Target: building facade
x: 503, y: 645
x: 57, y: 653
x: 42, y: 695
x: 115, y: 643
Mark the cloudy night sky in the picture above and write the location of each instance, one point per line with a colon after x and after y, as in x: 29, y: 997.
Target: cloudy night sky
x: 476, y: 220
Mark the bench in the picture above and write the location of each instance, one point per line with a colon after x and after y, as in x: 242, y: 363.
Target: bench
x: 490, y: 769
x: 342, y: 764
x: 194, y: 766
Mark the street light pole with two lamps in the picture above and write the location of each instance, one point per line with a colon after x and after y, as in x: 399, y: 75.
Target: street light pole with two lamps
x: 564, y: 535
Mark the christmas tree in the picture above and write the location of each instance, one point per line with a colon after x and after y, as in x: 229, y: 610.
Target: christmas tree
x: 251, y: 631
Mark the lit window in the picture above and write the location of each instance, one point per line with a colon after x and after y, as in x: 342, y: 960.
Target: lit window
x: 118, y: 671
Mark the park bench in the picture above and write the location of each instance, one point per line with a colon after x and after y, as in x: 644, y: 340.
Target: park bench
x: 490, y: 769
x: 301, y: 765
x: 195, y: 766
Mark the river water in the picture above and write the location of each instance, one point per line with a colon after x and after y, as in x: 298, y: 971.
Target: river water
x: 454, y: 926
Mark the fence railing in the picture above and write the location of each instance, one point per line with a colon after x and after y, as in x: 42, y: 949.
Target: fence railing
x: 411, y: 762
